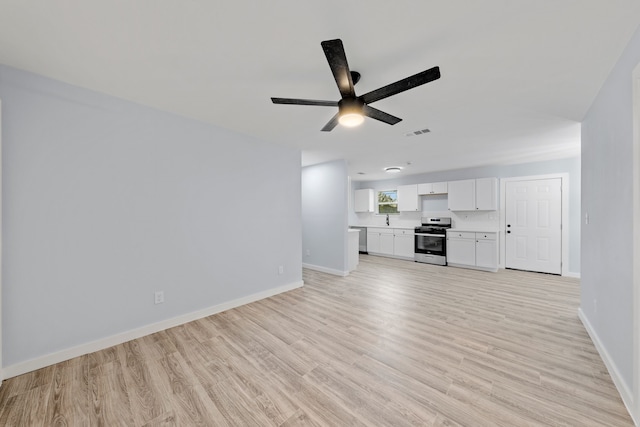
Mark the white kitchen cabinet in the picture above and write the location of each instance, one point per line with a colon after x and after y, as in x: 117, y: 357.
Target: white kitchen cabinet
x: 408, y: 200
x: 394, y: 242
x: 403, y: 243
x: 487, y: 194
x: 487, y: 250
x: 461, y: 248
x: 473, y: 194
x: 380, y: 241
x: 373, y: 241
x: 462, y: 195
x: 472, y: 250
x: 432, y: 188
x: 363, y: 200
x: 386, y: 244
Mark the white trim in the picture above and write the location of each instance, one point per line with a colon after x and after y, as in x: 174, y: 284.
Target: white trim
x: 625, y: 393
x: 472, y: 267
x: 635, y: 186
x: 572, y: 275
x: 389, y: 255
x: 325, y: 270
x: 101, y: 344
x: 564, y: 177
x: 1, y: 371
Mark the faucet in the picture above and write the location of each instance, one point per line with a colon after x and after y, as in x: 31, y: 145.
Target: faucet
x: 387, y: 219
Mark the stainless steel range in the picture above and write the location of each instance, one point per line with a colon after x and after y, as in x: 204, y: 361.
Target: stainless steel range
x: 431, y: 241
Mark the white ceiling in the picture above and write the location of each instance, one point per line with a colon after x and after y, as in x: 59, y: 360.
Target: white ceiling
x: 517, y: 76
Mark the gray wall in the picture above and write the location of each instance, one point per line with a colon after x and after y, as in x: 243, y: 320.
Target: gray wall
x: 571, y: 166
x: 607, y: 190
x: 324, y: 216
x: 106, y: 201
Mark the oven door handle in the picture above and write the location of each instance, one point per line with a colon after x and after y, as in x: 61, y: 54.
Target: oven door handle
x: 430, y: 235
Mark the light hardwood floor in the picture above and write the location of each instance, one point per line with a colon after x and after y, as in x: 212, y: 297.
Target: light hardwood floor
x: 396, y: 343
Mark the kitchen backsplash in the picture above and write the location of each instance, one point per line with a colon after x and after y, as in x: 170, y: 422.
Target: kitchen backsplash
x: 403, y: 219
x: 472, y: 220
x: 475, y: 220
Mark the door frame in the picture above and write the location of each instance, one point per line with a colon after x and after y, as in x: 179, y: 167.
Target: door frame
x: 564, y: 188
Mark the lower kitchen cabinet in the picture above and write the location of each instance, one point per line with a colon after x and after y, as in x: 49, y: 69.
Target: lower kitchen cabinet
x: 380, y: 241
x: 386, y: 243
x: 461, y: 248
x: 373, y: 241
x: 403, y: 243
x: 395, y: 242
x: 487, y: 251
x: 472, y: 250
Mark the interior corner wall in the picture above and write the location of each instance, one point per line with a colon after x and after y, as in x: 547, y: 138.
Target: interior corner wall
x: 106, y: 201
x: 324, y: 217
x: 606, y: 300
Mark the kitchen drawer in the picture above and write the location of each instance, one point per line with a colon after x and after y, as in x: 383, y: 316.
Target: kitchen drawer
x: 486, y: 236
x: 402, y: 232
x: 461, y: 234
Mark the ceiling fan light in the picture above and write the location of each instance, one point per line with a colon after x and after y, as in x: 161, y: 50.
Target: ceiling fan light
x: 351, y: 119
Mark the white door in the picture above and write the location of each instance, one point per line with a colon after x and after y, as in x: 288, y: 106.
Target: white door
x: 533, y: 214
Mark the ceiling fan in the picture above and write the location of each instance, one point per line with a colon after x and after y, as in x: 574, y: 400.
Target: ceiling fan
x: 352, y: 108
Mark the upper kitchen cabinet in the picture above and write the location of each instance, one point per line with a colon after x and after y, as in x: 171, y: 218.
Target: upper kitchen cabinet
x: 487, y: 194
x: 363, y: 200
x: 408, y: 200
x: 473, y: 194
x: 462, y: 195
x: 432, y: 188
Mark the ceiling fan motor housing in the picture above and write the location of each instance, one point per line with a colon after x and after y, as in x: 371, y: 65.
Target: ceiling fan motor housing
x: 350, y: 106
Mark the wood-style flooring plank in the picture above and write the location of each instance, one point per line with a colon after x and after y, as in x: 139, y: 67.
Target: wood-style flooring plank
x: 395, y: 343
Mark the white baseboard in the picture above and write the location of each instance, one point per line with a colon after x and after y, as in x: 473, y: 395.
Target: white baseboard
x: 101, y: 344
x: 572, y: 274
x: 325, y: 270
x: 625, y: 393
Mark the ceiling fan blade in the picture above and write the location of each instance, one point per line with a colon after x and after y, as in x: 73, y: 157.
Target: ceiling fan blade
x: 331, y: 123
x: 334, y: 51
x: 304, y: 102
x: 401, y: 85
x: 374, y: 113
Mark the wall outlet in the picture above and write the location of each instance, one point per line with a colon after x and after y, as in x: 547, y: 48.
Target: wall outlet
x: 159, y: 297
x: 586, y: 218
x: 308, y: 252
x: 281, y: 269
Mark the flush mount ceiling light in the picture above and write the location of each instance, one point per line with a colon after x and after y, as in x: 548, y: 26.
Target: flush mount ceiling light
x: 393, y: 169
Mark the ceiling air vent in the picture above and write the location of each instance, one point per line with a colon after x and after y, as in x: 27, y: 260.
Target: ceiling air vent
x: 417, y: 132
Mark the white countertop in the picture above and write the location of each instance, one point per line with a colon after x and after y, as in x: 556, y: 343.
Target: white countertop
x: 472, y: 230
x: 400, y: 227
